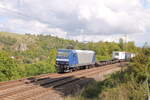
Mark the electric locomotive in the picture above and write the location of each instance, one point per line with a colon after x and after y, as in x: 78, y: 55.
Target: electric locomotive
x: 69, y: 60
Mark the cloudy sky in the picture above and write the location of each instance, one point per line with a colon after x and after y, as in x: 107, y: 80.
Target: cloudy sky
x: 83, y: 20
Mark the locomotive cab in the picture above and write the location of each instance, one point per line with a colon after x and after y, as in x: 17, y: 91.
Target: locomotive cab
x: 62, y: 60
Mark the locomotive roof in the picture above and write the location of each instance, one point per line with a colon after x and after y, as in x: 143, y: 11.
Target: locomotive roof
x: 73, y: 50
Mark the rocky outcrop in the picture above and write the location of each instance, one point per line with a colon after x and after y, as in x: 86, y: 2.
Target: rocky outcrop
x: 20, y: 47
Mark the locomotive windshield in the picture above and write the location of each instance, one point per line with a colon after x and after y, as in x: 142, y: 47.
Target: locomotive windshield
x: 62, y: 55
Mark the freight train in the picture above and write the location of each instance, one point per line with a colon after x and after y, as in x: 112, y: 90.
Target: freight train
x: 68, y: 60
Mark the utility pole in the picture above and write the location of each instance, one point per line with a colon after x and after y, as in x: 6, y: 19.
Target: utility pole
x: 125, y: 39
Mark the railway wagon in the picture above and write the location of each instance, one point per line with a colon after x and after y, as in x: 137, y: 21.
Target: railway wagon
x: 68, y: 59
x: 120, y: 55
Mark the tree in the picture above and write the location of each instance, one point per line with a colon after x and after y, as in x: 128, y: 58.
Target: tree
x: 52, y: 59
x: 131, y: 46
x: 9, y: 69
x: 121, y: 44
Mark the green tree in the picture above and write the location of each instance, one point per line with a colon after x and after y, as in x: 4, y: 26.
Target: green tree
x: 52, y: 59
x: 131, y: 46
x: 9, y: 69
x: 121, y: 43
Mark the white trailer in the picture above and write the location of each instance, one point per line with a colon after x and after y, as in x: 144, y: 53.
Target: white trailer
x: 120, y: 55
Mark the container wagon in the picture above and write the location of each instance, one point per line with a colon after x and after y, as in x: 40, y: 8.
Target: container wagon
x: 69, y: 60
x: 119, y: 55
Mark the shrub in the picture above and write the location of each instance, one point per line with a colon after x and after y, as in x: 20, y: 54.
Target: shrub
x: 9, y: 69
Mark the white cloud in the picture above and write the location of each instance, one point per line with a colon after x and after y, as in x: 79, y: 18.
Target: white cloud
x: 92, y: 19
x: 33, y: 27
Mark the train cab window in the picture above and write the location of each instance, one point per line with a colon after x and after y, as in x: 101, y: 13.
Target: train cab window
x: 74, y: 55
x: 62, y: 55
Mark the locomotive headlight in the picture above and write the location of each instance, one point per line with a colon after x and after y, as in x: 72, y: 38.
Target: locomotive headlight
x: 57, y: 62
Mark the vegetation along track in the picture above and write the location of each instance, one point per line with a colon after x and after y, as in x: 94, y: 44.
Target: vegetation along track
x: 47, y: 83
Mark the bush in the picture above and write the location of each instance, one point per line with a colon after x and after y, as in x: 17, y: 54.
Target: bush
x: 38, y: 68
x: 9, y: 69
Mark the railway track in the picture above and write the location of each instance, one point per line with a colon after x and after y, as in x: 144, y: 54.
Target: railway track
x: 65, y: 82
x: 11, y: 84
x: 46, y: 95
x: 61, y: 83
x: 47, y: 80
x: 42, y: 84
x: 32, y: 79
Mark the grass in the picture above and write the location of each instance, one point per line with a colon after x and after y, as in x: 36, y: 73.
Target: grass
x: 113, y: 88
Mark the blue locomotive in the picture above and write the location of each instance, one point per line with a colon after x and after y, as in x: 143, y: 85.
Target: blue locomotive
x: 69, y: 60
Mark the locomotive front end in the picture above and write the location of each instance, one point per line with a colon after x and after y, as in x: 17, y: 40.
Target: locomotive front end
x: 62, y: 60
